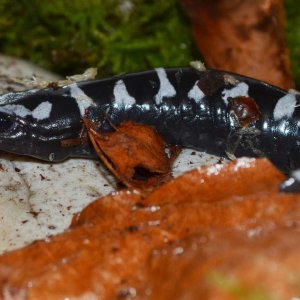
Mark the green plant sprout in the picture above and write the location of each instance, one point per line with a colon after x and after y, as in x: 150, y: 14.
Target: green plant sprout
x: 235, y: 289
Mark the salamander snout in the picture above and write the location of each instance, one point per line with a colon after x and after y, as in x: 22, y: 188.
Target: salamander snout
x: 12, y: 131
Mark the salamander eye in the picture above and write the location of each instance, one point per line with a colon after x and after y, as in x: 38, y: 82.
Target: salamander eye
x: 6, y: 121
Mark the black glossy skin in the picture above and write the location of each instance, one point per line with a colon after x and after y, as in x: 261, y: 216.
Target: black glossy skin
x: 207, y: 126
x: 291, y: 184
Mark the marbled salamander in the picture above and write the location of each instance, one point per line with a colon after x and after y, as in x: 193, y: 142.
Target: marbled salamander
x: 187, y: 107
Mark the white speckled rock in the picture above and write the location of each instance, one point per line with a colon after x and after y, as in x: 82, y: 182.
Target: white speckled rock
x: 39, y: 199
x: 12, y: 71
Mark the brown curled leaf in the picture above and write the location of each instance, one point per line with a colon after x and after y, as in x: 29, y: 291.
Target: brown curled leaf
x: 134, y: 153
x: 220, y: 219
x: 242, y: 36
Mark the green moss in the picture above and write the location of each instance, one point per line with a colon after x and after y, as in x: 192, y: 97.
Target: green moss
x: 113, y: 35
x: 293, y: 36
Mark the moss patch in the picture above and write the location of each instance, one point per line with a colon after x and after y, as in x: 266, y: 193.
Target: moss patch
x: 113, y: 35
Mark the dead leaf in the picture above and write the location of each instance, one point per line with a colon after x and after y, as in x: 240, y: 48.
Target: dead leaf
x: 134, y: 153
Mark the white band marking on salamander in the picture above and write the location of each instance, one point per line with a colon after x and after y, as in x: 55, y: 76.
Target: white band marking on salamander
x: 82, y: 99
x: 285, y: 107
x: 15, y: 96
x: 16, y: 109
x: 196, y: 93
x: 240, y: 90
x: 122, y: 97
x: 296, y: 175
x: 41, y: 112
x: 166, y: 89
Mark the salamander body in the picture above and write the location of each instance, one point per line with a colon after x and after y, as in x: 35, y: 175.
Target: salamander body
x: 188, y: 108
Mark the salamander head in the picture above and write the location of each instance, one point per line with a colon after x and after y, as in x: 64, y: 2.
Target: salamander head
x: 23, y: 136
x: 41, y: 139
